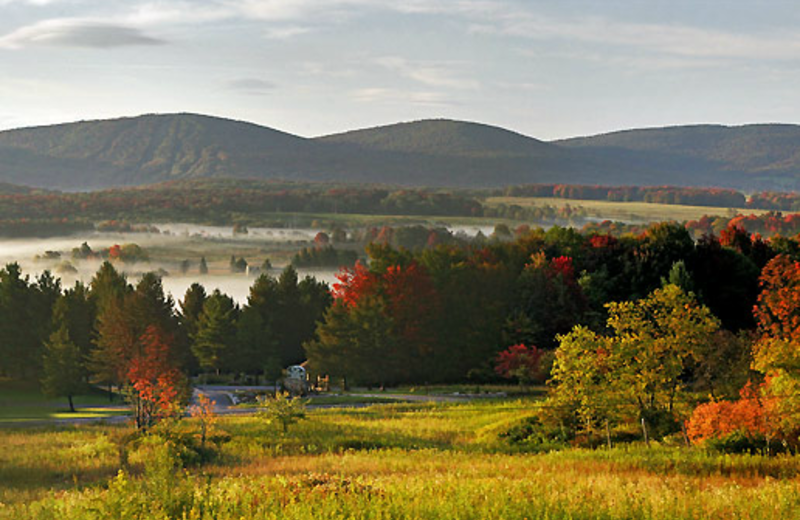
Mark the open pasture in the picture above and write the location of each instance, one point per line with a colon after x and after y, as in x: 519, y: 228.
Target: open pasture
x: 385, y: 461
x: 633, y: 212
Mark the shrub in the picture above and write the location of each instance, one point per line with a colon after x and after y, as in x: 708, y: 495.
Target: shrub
x: 282, y: 409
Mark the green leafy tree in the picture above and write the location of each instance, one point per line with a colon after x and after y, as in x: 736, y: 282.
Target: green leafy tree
x: 282, y: 409
x: 64, y: 373
x: 655, y: 340
x: 679, y: 276
x: 644, y: 365
x: 662, y: 245
x: 583, y: 379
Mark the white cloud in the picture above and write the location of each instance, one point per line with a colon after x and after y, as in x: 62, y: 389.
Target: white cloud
x: 75, y: 32
x: 290, y: 18
x: 176, y: 12
x: 286, y: 32
x: 435, y: 74
x: 672, y: 39
x: 403, y: 97
x: 31, y: 2
x: 302, y: 9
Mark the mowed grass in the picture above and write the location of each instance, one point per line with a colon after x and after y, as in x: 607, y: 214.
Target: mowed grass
x: 626, y: 211
x: 387, y: 462
x: 22, y: 402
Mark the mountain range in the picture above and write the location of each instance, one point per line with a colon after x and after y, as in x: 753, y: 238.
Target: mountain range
x: 154, y: 148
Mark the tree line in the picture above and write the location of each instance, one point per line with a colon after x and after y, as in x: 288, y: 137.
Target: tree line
x: 442, y: 313
x: 690, y: 196
x: 133, y: 336
x: 629, y: 329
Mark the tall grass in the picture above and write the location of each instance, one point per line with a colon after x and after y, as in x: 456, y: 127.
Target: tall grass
x: 385, y: 462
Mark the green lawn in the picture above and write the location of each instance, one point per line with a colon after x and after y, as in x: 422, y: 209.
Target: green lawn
x: 22, y: 402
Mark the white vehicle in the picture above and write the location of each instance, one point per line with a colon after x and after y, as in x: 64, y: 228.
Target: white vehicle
x: 295, y: 380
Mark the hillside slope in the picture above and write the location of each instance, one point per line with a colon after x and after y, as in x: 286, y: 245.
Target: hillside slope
x: 142, y: 150
x: 154, y: 148
x: 767, y: 153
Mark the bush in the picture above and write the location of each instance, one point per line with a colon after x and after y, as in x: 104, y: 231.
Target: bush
x: 738, y: 442
x: 532, y: 433
x: 660, y: 423
x: 282, y: 409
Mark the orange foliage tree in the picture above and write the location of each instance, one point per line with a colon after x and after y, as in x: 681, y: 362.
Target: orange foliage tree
x: 771, y: 409
x: 749, y: 415
x: 156, y: 384
x: 777, y: 352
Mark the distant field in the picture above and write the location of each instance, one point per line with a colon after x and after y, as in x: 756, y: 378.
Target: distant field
x: 627, y: 211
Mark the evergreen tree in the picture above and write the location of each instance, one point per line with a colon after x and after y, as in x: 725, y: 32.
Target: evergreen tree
x: 75, y: 311
x: 216, y: 331
x: 63, y: 369
x: 203, y: 265
x: 288, y: 328
x: 106, y: 285
x: 256, y: 348
x: 115, y: 344
x: 25, y: 320
x: 191, y: 307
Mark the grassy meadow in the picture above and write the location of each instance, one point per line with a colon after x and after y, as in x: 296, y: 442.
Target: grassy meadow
x: 383, y: 462
x: 626, y: 211
x: 23, y: 402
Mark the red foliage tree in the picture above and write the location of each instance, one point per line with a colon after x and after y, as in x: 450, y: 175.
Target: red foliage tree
x: 519, y: 362
x: 321, y: 240
x: 412, y: 304
x: 156, y: 383
x: 353, y: 284
x: 114, y: 252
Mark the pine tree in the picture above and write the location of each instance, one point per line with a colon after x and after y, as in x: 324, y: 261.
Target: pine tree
x: 107, y: 285
x: 203, y: 265
x: 63, y: 371
x: 215, y: 331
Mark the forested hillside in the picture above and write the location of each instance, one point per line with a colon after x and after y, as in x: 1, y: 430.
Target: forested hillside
x: 154, y: 148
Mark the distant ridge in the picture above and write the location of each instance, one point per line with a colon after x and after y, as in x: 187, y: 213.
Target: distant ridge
x: 154, y: 148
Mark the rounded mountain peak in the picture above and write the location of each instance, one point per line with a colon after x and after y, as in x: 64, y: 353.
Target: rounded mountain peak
x: 441, y: 137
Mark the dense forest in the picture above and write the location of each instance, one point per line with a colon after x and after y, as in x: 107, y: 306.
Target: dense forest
x: 525, y: 308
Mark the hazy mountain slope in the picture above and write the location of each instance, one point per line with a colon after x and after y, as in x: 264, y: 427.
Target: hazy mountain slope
x: 445, y: 137
x: 150, y: 148
x: 154, y: 148
x: 478, y: 154
x: 765, y: 153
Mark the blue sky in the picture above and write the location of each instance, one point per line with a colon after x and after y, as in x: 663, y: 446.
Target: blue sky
x: 546, y: 69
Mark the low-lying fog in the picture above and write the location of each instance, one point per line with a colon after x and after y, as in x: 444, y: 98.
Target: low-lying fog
x: 174, y: 244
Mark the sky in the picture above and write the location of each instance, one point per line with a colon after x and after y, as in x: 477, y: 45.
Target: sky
x: 547, y: 69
